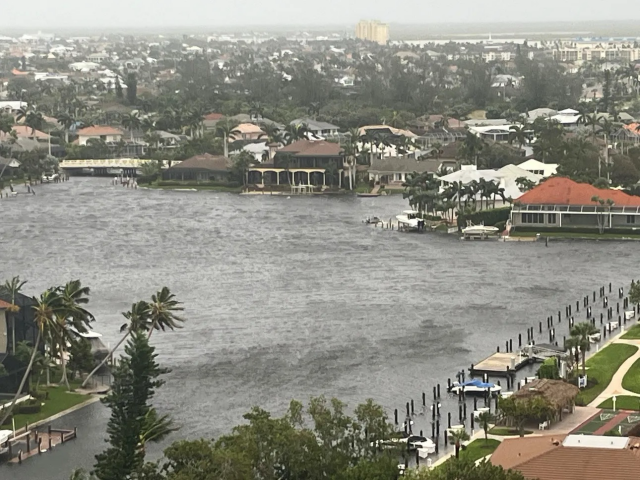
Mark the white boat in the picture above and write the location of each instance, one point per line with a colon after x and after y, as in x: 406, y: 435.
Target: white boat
x: 409, y: 219
x: 5, y: 435
x: 474, y: 386
x: 479, y: 230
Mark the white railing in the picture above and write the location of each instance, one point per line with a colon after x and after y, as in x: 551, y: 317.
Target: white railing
x: 578, y: 209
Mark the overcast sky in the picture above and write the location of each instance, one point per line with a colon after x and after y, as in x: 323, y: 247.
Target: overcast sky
x: 54, y: 15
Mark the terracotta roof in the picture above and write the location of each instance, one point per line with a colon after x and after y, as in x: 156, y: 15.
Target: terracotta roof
x: 205, y: 161
x: 4, y: 305
x: 213, y: 116
x: 248, y: 128
x: 564, y: 191
x: 539, y: 458
x: 26, y: 132
x: 97, y: 130
x: 515, y: 451
x: 307, y: 148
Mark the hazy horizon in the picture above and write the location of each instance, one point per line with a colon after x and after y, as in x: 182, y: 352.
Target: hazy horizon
x: 211, y: 14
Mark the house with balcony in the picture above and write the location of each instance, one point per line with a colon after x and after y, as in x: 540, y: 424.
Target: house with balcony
x: 562, y: 204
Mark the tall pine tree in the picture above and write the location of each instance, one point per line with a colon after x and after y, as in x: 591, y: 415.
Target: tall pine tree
x: 135, y: 380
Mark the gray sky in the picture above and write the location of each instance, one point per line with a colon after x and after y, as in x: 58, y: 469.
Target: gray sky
x: 114, y: 14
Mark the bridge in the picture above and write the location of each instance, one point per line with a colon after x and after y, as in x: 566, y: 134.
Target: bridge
x: 107, y: 167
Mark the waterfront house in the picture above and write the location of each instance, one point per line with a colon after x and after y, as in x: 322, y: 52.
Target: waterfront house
x: 200, y: 168
x: 317, y: 128
x: 393, y: 171
x: 570, y: 457
x: 210, y: 120
x: 304, y: 162
x: 246, y: 131
x: 539, y: 168
x: 562, y: 203
x: 99, y: 132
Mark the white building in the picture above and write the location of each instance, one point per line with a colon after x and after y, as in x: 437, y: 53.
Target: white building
x: 539, y: 168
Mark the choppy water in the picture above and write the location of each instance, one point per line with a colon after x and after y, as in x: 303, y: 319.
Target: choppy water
x: 285, y: 298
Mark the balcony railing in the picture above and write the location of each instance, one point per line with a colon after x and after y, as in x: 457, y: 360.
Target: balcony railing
x: 615, y: 210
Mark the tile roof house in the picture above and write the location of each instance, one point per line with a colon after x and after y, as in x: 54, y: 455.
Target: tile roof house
x: 562, y: 203
x: 393, y: 171
x: 24, y: 131
x: 571, y: 457
x: 100, y: 132
x: 319, y: 129
x: 246, y: 131
x: 200, y: 168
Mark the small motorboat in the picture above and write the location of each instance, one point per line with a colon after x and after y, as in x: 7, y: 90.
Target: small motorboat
x: 474, y: 386
x: 410, y: 220
x: 479, y: 230
x: 372, y: 220
x: 367, y: 195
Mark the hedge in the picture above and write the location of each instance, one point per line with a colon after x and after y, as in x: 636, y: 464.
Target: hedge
x: 176, y: 183
x: 487, y: 217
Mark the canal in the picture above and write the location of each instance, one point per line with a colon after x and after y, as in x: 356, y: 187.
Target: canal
x: 285, y: 297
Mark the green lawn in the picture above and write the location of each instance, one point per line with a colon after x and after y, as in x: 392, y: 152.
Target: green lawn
x: 59, y: 400
x: 633, y: 333
x: 479, y: 449
x: 507, y: 432
x: 601, y: 367
x: 594, y: 235
x: 631, y: 380
x: 623, y: 402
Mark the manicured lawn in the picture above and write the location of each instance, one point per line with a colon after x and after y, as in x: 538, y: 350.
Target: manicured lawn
x: 631, y: 380
x: 59, y: 400
x: 601, y: 367
x: 623, y: 402
x: 197, y: 187
x: 479, y: 449
x: 633, y: 333
x: 507, y: 432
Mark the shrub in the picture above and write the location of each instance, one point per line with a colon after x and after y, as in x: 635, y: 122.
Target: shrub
x: 501, y: 225
x: 549, y: 369
x: 614, y: 432
x: 29, y: 407
x: 489, y: 217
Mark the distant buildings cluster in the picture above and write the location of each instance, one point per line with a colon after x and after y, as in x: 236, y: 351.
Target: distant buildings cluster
x: 373, y: 31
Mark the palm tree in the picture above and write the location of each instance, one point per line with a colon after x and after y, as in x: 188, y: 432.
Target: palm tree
x: 45, y: 311
x: 72, y: 316
x: 131, y: 121
x: 13, y: 287
x: 457, y: 436
x: 295, y: 132
x: 271, y: 133
x: 163, y: 311
x: 471, y: 147
x: 485, y: 419
x: 139, y: 319
x: 155, y: 428
x: 581, y: 333
x: 226, y: 129
x: 517, y: 134
x: 66, y: 121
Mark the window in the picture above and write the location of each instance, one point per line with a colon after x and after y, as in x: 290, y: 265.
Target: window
x: 533, y: 218
x: 631, y: 219
x: 551, y: 218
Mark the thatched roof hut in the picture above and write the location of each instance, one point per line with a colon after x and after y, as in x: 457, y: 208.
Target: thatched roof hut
x: 557, y: 393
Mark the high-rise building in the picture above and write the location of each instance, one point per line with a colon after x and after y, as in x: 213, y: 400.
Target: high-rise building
x: 373, y: 30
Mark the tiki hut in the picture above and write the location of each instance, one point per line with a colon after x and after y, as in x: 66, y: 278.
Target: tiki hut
x: 558, y: 394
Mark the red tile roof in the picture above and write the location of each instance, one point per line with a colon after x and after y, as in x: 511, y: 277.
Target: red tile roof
x: 213, y: 116
x: 4, y: 305
x: 564, y: 191
x: 307, y: 148
x: 538, y: 458
x: 97, y: 130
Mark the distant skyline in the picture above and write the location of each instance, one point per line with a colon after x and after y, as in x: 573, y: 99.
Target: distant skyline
x: 203, y: 14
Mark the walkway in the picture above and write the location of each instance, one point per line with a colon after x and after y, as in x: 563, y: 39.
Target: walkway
x: 376, y: 189
x: 615, y: 386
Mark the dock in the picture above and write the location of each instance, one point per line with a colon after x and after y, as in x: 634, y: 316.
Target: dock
x: 500, y: 364
x: 30, y: 442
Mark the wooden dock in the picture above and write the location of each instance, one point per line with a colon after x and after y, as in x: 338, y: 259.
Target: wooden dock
x: 28, y: 443
x: 500, y: 364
